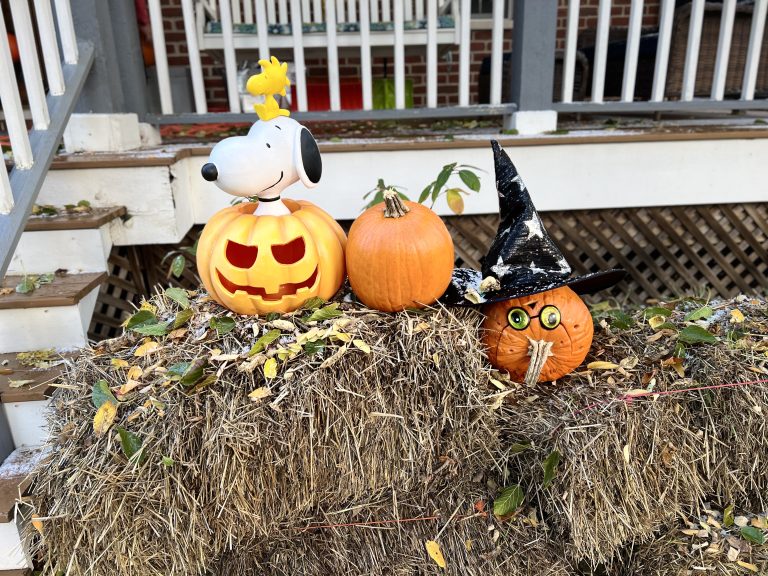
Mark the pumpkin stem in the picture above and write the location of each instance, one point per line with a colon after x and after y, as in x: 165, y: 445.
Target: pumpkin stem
x: 539, y: 351
x: 394, y: 207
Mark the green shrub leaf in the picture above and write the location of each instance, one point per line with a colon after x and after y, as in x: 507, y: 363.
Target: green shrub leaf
x: 509, y: 499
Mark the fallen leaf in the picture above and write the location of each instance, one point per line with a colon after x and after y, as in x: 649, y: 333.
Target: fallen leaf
x: 178, y: 333
x: 733, y: 554
x: 668, y: 454
x: 637, y: 393
x: 626, y: 454
x: 728, y: 516
x: 602, y: 366
x: 508, y: 501
x: 260, y: 394
x: 127, y: 387
x: 37, y: 523
x: 19, y: 383
x: 284, y: 325
x: 753, y: 535
x: 736, y: 316
x: 361, y: 345
x: 270, y: 368
x: 104, y: 418
x: 748, y: 566
x: 433, y: 549
x: 740, y: 521
x: 135, y: 373
x: 468, y: 545
x: 118, y: 363
x: 148, y: 347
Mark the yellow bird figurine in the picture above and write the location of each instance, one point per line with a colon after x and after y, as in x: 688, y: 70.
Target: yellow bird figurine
x: 272, y: 80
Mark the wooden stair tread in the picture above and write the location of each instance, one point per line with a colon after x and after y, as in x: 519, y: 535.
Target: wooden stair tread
x: 19, y: 572
x: 95, y: 218
x: 42, y: 379
x: 15, y: 479
x: 65, y: 290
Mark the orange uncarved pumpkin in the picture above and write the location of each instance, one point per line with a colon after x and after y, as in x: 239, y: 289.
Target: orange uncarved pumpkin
x: 260, y: 264
x: 399, y: 255
x: 558, y: 316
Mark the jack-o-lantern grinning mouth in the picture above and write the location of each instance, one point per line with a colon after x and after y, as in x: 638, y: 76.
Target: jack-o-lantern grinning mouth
x: 288, y: 289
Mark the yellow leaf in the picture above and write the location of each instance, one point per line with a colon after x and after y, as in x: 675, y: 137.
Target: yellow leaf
x: 104, y: 418
x: 656, y: 321
x: 748, y: 566
x: 433, y: 549
x: 468, y: 545
x: 359, y: 344
x: 637, y: 392
x: 37, y: 523
x: 342, y: 337
x: 602, y: 366
x: 178, y: 333
x: 260, y: 394
x: 146, y: 348
x: 134, y: 373
x: 118, y: 363
x: 270, y: 368
x: 736, y: 316
x: 147, y: 306
x: 127, y: 387
x: 436, y: 359
x: 627, y: 456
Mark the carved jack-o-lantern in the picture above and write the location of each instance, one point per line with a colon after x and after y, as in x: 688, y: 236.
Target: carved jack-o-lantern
x: 538, y: 338
x: 259, y: 264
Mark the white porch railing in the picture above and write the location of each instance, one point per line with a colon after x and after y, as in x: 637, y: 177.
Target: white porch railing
x: 33, y: 150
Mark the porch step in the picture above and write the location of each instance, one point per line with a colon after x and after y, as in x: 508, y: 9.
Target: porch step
x: 24, y: 404
x: 74, y: 242
x: 55, y: 315
x: 14, y: 481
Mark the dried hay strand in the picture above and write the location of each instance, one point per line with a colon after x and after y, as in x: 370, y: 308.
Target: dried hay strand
x: 631, y: 461
x: 344, y: 404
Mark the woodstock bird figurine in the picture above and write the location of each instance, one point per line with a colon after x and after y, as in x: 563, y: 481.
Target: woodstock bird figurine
x: 272, y: 80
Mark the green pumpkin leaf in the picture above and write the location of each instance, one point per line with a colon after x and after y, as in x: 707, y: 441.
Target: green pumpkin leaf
x: 223, y: 325
x: 140, y: 318
x: 261, y: 344
x: 696, y: 335
x: 177, y: 265
x: 470, y: 179
x: 130, y: 444
x: 178, y: 295
x: 152, y: 329
x: 325, y: 313
x: 509, y: 499
x: 550, y: 468
x: 182, y: 318
x: 455, y: 200
x: 701, y: 314
x: 101, y: 393
x: 752, y: 534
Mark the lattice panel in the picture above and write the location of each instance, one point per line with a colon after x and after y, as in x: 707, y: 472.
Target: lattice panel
x: 717, y: 250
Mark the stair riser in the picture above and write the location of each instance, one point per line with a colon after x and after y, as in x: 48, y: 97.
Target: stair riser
x: 62, y: 327
x: 27, y: 422
x: 77, y: 251
x: 12, y: 552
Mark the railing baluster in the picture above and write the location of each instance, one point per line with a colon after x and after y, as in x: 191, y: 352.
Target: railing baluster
x: 49, y: 47
x: 248, y: 11
x: 300, y: 84
x: 195, y: 65
x: 161, y: 57
x: 340, y: 11
x: 374, y: 6
x: 432, y: 53
x: 6, y: 194
x: 632, y: 52
x: 601, y: 50
x: 271, y: 14
x: 692, y: 50
x: 283, y: 11
x: 723, y: 49
x: 365, y: 55
x: 236, y: 14
x: 759, y: 12
x: 11, y: 103
x: 352, y: 10
x: 66, y: 31
x: 333, y: 55
x: 30, y: 66
x: 464, y: 50
x: 386, y: 12
x: 571, y: 37
x: 262, y: 31
x: 305, y: 11
x: 662, y: 50
x: 399, y: 56
x: 419, y: 10
x: 408, y: 10
x: 230, y: 62
x: 317, y: 11
x: 497, y: 51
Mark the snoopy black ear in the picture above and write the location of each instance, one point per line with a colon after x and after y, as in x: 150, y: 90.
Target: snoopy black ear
x: 309, y: 165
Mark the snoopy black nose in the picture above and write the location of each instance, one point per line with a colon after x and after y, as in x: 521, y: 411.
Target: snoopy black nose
x: 209, y: 172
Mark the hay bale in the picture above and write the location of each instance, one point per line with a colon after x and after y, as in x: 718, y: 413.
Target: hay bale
x: 629, y: 465
x: 338, y: 423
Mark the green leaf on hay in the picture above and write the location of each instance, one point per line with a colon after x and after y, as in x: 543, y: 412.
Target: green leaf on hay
x: 696, y: 335
x: 700, y: 314
x: 550, y: 468
x: 509, y: 499
x: 101, y: 393
x: 182, y: 318
x: 223, y: 325
x: 131, y: 444
x: 178, y: 295
x: 177, y: 370
x: 141, y: 318
x: 152, y: 329
x: 313, y: 303
x: 313, y: 347
x: 261, y: 344
x: 168, y: 462
x: 679, y: 351
x: 325, y: 313
x: 518, y: 448
x: 177, y: 265
x: 272, y: 316
x: 656, y: 311
x: 752, y: 534
x: 728, y: 516
x: 194, y: 372
x: 620, y: 319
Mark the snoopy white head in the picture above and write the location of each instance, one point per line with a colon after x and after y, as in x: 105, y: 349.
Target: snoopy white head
x: 275, y: 154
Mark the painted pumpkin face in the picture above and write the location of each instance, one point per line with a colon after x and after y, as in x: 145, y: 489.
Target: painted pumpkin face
x: 260, y: 264
x: 557, y: 319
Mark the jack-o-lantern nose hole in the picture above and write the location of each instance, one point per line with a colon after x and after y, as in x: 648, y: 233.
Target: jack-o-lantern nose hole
x: 532, y: 305
x: 241, y: 256
x: 289, y: 253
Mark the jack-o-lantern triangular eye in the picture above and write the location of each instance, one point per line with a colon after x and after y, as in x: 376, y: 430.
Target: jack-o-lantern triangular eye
x: 241, y: 256
x: 289, y: 253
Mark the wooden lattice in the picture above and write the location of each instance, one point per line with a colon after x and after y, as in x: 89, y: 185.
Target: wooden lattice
x: 719, y: 250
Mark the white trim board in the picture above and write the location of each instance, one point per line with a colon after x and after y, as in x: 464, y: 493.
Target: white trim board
x: 559, y: 177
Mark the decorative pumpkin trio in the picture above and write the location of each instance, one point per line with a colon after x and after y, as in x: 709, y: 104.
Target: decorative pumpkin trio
x: 272, y: 255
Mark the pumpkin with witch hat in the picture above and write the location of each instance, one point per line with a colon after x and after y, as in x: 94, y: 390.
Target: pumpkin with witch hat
x: 537, y: 328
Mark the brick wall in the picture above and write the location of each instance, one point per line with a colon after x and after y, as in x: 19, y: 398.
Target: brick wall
x: 415, y: 59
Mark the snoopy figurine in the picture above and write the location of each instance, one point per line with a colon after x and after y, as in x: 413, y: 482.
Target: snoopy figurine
x: 267, y: 254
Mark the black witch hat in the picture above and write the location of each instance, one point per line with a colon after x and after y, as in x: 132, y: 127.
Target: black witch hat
x: 523, y: 259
